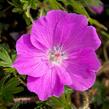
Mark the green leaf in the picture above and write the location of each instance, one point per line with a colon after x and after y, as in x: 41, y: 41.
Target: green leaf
x: 91, y: 2
x: 27, y: 20
x: 9, y: 88
x: 34, y: 4
x: 105, y: 34
x: 5, y: 60
x: 68, y: 90
x: 16, y: 106
x: 78, y: 7
x: 55, y: 102
x: 101, y: 94
x: 98, y: 24
x: 17, y: 9
x: 54, y: 4
x: 42, y: 105
x: 13, y: 86
x: 9, y: 70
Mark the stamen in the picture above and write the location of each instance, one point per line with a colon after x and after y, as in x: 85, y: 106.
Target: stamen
x: 56, y: 56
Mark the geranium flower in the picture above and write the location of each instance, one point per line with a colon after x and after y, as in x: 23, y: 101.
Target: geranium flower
x: 59, y: 51
x: 98, y: 9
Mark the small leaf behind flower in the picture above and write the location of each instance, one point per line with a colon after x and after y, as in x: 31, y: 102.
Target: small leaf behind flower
x: 5, y: 60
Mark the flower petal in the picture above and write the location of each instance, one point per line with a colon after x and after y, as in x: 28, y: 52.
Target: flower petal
x: 43, y: 29
x: 45, y: 86
x: 71, y: 30
x: 82, y: 69
x: 64, y: 25
x: 29, y: 59
x: 82, y: 84
x: 48, y: 30
x: 64, y: 76
x: 80, y: 37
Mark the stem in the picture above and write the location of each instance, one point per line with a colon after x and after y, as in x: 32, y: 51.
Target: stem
x: 7, y: 9
x: 19, y: 79
x: 98, y: 24
x: 86, y: 101
x: 105, y: 53
x: 65, y: 102
x: 28, y: 14
x: 41, y: 12
x: 24, y: 99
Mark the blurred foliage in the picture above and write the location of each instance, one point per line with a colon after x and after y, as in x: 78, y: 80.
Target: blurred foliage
x: 16, y: 17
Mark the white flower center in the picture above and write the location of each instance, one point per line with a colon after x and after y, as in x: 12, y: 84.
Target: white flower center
x: 56, y: 56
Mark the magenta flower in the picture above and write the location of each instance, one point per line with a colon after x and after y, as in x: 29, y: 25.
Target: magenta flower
x: 60, y: 50
x: 98, y: 9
